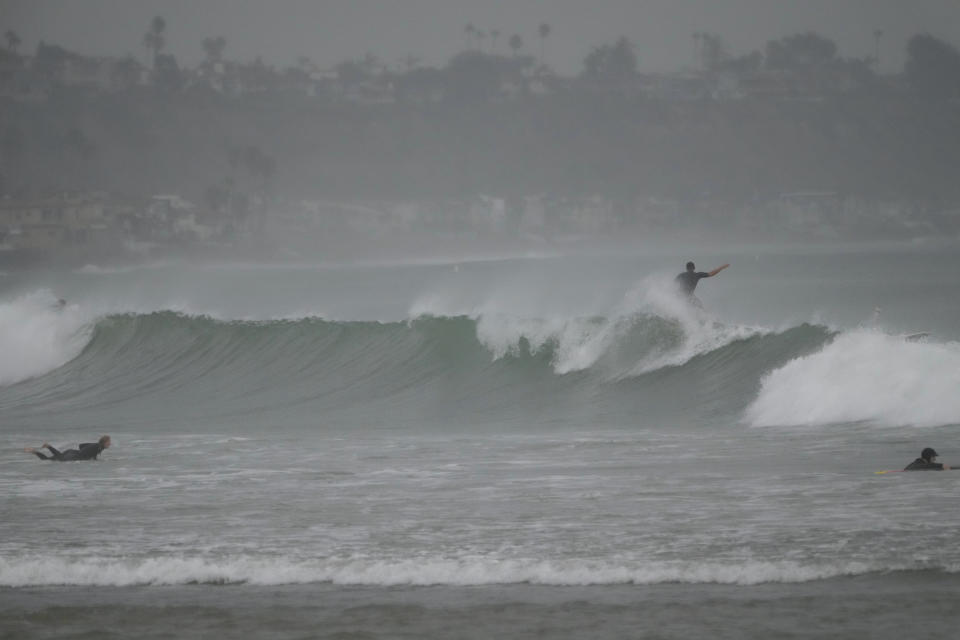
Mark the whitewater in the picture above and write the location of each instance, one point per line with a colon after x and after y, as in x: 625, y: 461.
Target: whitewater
x: 427, y: 442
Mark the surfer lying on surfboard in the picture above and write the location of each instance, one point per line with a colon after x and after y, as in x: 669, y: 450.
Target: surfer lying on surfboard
x: 85, y: 451
x: 926, y: 462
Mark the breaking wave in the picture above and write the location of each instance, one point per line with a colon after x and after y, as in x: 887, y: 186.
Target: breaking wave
x: 64, y: 359
x: 422, y: 571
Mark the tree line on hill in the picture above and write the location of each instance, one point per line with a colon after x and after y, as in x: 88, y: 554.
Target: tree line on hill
x: 795, y: 115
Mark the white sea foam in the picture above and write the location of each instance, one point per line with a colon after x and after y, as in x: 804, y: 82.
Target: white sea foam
x: 580, y: 343
x: 41, y: 488
x: 93, y: 269
x: 702, y: 332
x: 421, y: 571
x: 864, y: 376
x: 37, y: 336
x: 510, y: 315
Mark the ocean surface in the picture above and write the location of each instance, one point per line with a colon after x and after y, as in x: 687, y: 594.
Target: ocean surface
x: 502, y: 447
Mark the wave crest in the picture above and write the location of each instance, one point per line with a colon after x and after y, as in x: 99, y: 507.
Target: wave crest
x: 421, y: 571
x: 37, y: 335
x: 863, y: 376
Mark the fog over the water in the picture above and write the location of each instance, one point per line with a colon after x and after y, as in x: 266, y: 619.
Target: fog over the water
x: 386, y: 308
x: 433, y: 30
x: 522, y: 126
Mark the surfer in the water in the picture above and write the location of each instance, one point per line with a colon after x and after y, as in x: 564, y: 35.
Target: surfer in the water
x: 85, y: 451
x: 926, y: 462
x: 687, y: 281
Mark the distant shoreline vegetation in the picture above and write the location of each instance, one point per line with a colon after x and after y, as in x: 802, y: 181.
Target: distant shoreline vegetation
x: 734, y: 134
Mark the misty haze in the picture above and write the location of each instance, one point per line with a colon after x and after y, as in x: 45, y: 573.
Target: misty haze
x: 479, y: 319
x: 795, y: 140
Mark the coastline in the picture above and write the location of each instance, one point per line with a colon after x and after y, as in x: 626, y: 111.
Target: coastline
x: 883, y: 605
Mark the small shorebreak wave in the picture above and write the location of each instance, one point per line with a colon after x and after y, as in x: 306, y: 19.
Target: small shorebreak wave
x: 420, y: 571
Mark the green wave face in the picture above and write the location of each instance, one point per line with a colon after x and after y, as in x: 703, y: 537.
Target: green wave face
x: 167, y: 368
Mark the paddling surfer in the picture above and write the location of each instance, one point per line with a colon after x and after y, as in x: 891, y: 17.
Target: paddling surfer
x: 926, y: 462
x: 84, y: 451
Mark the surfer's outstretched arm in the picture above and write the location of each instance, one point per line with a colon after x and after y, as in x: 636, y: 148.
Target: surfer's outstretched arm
x: 718, y: 270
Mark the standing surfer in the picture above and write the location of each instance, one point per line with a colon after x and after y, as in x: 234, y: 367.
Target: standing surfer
x: 687, y: 281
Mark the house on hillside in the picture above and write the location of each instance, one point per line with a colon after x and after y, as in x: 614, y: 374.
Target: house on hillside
x: 772, y: 85
x: 12, y: 68
x: 18, y: 81
x: 56, y: 222
x: 674, y: 87
x: 809, y: 211
x: 170, y: 218
x: 212, y: 75
x: 88, y: 73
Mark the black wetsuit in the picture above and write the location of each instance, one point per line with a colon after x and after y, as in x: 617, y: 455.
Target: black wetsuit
x: 86, y: 451
x: 687, y: 281
x: 923, y: 465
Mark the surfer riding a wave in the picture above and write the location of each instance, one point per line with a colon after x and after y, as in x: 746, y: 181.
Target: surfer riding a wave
x: 687, y: 281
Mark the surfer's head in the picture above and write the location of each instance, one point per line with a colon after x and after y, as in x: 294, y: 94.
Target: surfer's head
x: 691, y: 266
x: 105, y: 442
x: 928, y: 454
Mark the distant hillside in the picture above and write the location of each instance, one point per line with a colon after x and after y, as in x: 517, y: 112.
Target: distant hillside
x: 139, y: 142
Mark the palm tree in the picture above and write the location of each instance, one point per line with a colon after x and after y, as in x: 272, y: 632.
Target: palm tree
x: 410, y: 62
x: 876, y: 52
x: 544, y: 32
x: 154, y: 39
x: 471, y: 31
x: 261, y: 168
x: 13, y: 40
x: 126, y: 73
x: 516, y: 43
x: 713, y: 52
x: 213, y: 47
x: 697, y: 36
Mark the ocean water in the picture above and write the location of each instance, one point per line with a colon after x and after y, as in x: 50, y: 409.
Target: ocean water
x: 538, y: 446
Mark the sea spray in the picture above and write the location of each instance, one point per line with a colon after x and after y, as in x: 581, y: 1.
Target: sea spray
x: 670, y: 329
x: 467, y: 570
x: 864, y: 375
x: 38, y: 334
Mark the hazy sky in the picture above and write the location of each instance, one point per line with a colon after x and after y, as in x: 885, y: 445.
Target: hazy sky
x: 329, y: 31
